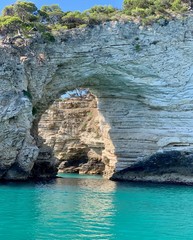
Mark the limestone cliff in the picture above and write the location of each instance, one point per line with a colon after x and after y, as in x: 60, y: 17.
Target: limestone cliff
x: 143, y: 79
x: 71, y: 128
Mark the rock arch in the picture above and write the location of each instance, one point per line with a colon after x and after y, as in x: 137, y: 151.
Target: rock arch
x: 142, y: 78
x: 71, y: 127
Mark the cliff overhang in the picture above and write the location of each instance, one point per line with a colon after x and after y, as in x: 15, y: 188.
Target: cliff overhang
x: 142, y: 77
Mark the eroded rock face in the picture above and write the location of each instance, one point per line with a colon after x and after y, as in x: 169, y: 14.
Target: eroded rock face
x: 142, y: 77
x: 71, y: 128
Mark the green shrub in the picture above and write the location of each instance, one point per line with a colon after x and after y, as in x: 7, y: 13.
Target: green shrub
x: 178, y: 6
x: 10, y: 24
x: 8, y: 11
x: 24, y: 18
x: 73, y: 19
x: 98, y: 14
x: 137, y: 47
x: 53, y: 13
x: 59, y: 27
x: 48, y: 37
x: 145, y: 8
x: 24, y: 10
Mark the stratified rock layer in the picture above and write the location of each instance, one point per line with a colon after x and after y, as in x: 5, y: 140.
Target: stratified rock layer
x: 71, y: 128
x: 142, y: 77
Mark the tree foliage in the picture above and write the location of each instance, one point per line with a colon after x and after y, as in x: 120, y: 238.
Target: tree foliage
x: 10, y: 24
x: 23, y: 10
x: 52, y: 13
x: 25, y: 19
x: 147, y: 8
x: 8, y: 11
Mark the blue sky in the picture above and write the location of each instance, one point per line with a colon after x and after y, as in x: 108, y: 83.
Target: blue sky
x: 69, y: 5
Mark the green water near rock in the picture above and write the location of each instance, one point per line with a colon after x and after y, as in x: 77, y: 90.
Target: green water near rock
x: 82, y: 207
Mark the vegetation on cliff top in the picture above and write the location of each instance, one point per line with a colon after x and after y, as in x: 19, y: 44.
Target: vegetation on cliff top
x: 24, y: 19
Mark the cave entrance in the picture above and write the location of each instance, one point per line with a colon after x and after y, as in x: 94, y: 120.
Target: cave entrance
x: 69, y: 135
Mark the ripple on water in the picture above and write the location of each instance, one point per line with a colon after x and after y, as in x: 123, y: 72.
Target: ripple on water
x: 94, y: 208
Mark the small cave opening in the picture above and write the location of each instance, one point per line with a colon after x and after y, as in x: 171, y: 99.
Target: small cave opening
x: 70, y: 131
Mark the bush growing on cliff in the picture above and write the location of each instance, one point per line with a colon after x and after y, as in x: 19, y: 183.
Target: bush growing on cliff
x: 10, y: 24
x: 95, y: 15
x: 8, y: 11
x: 15, y: 18
x: 52, y: 14
x: 73, y: 19
x: 24, y: 10
x: 149, y: 11
x: 98, y: 14
x: 28, y: 21
x: 25, y: 19
x: 157, y: 8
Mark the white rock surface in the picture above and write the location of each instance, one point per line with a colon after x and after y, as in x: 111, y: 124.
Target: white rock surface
x: 143, y: 78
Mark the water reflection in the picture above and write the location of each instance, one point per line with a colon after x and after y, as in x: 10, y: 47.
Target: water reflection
x: 65, y: 200
x: 97, y: 185
x: 81, y: 209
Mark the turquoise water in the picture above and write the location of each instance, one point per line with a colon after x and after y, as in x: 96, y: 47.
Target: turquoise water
x: 81, y: 208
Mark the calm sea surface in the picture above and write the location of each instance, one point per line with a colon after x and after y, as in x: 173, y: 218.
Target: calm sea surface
x: 81, y: 207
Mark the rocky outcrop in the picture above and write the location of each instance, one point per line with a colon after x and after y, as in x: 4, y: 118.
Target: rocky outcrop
x: 142, y: 77
x: 71, y: 128
x: 170, y: 166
